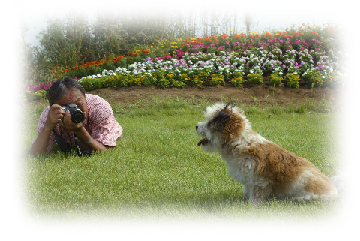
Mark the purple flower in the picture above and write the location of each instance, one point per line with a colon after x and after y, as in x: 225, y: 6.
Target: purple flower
x: 147, y: 59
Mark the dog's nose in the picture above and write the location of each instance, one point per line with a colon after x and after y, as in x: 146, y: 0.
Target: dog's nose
x: 196, y: 127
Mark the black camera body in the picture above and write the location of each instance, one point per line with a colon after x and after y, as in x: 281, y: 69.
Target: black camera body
x: 77, y: 115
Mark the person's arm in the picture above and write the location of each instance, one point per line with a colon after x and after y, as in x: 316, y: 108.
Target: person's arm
x: 79, y: 130
x: 54, y: 117
x: 87, y: 141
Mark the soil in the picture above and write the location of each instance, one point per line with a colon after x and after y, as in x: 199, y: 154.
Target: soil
x: 247, y: 95
x: 261, y: 94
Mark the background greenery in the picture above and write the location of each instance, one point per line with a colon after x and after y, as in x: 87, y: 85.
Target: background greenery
x: 157, y: 168
x: 76, y: 38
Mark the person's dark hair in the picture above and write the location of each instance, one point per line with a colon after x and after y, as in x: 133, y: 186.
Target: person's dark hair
x: 60, y: 87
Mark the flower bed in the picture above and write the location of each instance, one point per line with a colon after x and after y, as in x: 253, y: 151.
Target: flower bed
x: 285, y: 57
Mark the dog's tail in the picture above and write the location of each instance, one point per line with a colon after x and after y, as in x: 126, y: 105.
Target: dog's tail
x: 339, y: 182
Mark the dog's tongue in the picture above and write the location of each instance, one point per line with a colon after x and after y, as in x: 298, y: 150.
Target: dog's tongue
x: 202, y: 141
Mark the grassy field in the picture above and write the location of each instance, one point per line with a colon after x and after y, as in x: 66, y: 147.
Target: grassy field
x: 157, y: 169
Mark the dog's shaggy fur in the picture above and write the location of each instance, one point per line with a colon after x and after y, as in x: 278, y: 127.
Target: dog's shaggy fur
x: 264, y: 168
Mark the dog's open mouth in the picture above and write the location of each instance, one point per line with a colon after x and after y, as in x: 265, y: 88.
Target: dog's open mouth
x: 203, y: 142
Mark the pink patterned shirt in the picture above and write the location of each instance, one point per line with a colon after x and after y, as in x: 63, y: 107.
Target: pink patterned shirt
x: 100, y: 124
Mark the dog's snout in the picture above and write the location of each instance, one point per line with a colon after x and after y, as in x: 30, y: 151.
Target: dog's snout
x: 197, y: 127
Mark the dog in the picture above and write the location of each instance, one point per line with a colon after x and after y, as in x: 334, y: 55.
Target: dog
x: 265, y: 169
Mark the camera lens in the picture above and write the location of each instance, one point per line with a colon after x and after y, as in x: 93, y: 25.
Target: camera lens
x: 77, y: 116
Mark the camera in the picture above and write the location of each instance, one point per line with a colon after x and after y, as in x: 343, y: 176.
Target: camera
x: 77, y: 115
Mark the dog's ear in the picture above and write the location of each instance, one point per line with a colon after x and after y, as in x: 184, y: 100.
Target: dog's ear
x: 221, y: 118
x: 236, y: 123
x: 234, y: 109
x: 230, y: 105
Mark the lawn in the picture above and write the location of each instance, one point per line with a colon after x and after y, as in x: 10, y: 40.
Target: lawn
x: 157, y: 169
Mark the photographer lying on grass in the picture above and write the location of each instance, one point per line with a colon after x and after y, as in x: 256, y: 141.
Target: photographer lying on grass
x: 90, y: 123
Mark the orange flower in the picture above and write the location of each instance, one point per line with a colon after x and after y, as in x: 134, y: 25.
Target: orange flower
x: 135, y: 54
x: 290, y: 36
x: 54, y: 71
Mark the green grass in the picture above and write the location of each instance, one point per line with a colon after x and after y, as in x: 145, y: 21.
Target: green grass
x: 157, y: 168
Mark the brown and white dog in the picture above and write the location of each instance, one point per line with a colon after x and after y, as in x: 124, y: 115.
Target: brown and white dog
x: 264, y: 168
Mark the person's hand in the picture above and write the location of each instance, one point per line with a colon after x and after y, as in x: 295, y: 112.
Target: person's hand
x: 68, y: 124
x: 55, y: 116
